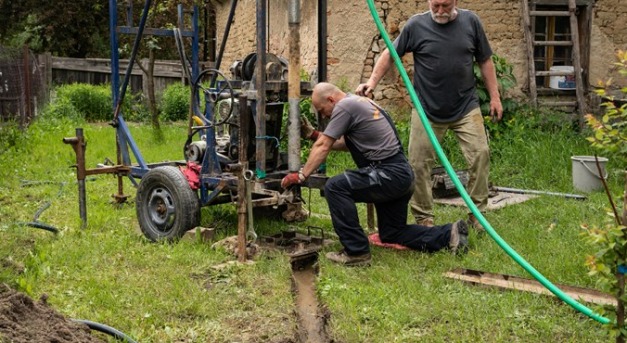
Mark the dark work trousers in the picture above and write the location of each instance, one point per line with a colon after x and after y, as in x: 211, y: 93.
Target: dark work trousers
x: 389, y: 187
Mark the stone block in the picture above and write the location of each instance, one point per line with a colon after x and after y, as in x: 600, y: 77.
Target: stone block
x: 201, y: 234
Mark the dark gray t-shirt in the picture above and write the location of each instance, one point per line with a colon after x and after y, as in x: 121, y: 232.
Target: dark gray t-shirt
x: 360, y: 121
x: 443, y: 61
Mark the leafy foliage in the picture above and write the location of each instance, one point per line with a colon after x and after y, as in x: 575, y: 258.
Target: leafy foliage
x: 506, y: 81
x: 610, y: 131
x: 92, y: 103
x: 610, y: 136
x: 11, y: 135
x: 44, y: 26
x: 175, y: 102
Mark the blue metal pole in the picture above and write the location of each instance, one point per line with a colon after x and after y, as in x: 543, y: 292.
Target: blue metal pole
x: 115, y: 64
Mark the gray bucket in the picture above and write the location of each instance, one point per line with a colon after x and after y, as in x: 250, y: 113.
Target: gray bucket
x: 586, y: 176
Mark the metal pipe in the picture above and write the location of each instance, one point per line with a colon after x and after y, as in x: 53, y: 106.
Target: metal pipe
x: 79, y: 146
x: 115, y: 55
x: 260, y: 85
x: 293, y: 134
x: 529, y: 191
x: 242, y: 184
x: 322, y: 40
x: 129, y: 68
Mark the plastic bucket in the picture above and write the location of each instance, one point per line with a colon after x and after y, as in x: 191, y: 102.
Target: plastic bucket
x: 564, y: 81
x: 586, y: 176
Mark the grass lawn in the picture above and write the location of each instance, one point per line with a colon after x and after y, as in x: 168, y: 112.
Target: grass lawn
x: 109, y: 273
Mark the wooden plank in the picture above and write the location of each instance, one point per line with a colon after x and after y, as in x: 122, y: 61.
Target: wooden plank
x: 162, y: 69
x: 528, y: 285
x: 552, y: 43
x: 549, y: 13
x: 554, y: 73
x: 585, y: 31
x: 563, y: 2
x: 574, y: 33
x: 530, y: 55
x: 560, y: 103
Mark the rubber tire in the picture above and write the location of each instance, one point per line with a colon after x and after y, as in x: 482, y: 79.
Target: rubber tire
x: 166, y: 185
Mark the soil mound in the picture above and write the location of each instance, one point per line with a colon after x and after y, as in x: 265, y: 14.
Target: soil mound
x: 23, y: 320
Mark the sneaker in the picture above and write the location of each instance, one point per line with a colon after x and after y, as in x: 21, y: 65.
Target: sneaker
x: 459, y: 237
x: 427, y: 221
x: 474, y: 222
x: 349, y: 260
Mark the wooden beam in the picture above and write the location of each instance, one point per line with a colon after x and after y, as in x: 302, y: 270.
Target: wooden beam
x: 549, y: 13
x: 552, y: 43
x: 521, y: 284
x: 574, y: 33
x: 563, y: 2
x: 528, y: 31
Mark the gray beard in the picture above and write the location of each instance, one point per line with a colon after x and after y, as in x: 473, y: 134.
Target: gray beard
x: 448, y: 18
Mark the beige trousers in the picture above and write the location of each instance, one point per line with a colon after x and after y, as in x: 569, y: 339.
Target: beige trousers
x: 470, y: 133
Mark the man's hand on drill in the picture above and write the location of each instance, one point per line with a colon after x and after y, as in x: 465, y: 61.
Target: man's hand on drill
x: 292, y: 179
x: 307, y: 131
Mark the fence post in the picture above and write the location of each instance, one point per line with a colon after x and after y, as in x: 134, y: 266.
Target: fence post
x: 27, y: 114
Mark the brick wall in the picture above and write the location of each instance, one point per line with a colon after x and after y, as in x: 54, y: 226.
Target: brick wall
x: 354, y: 45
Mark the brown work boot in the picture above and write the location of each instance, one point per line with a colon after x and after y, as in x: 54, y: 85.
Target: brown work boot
x: 474, y: 222
x: 459, y: 237
x: 427, y: 221
x: 349, y: 260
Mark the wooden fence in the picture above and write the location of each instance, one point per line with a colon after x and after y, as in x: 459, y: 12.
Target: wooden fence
x: 65, y: 70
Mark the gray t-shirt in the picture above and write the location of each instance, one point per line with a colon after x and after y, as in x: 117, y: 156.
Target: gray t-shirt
x: 359, y: 120
x: 443, y: 62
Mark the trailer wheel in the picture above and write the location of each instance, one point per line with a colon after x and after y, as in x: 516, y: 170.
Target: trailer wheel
x: 166, y: 206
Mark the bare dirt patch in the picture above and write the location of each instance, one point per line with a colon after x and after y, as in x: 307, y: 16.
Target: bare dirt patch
x: 23, y: 320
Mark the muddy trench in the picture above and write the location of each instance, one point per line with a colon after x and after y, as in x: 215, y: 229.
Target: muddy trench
x: 311, y: 315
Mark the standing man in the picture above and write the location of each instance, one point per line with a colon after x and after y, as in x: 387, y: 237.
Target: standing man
x: 445, y: 42
x: 384, y: 178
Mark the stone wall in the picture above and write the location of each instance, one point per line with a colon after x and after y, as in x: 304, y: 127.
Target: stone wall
x: 354, y: 43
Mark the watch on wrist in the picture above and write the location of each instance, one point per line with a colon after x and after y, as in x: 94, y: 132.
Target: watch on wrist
x: 301, y: 176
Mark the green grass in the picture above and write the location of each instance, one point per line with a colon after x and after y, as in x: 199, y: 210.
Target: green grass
x: 110, y: 273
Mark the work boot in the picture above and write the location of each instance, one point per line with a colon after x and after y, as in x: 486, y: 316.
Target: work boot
x: 474, y: 222
x: 459, y: 237
x: 349, y: 260
x: 426, y: 221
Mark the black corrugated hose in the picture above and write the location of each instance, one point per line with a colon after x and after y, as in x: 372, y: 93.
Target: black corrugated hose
x: 106, y: 329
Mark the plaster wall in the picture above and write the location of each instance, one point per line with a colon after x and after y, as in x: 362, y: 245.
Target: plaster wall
x: 354, y: 43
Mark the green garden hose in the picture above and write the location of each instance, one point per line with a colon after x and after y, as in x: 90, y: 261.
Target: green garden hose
x: 451, y: 172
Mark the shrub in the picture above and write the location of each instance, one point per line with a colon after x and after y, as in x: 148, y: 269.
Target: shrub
x: 93, y: 102
x: 175, y: 102
x: 608, y: 264
x: 11, y: 135
x: 506, y: 80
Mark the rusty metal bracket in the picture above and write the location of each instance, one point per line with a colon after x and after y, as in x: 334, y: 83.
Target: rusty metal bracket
x: 79, y: 145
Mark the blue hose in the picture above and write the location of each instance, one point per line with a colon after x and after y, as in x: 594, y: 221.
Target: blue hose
x: 462, y: 191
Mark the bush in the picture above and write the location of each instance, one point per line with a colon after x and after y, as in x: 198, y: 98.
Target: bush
x: 175, y: 102
x: 11, y: 136
x: 506, y: 80
x: 92, y: 102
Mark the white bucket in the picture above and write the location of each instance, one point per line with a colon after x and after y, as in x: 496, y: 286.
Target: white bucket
x: 564, y: 81
x: 586, y: 176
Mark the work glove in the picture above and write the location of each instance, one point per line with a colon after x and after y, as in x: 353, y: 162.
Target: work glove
x: 307, y: 131
x: 292, y: 179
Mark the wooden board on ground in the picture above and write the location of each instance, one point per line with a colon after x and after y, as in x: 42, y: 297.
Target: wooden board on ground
x: 500, y: 200
x: 529, y: 285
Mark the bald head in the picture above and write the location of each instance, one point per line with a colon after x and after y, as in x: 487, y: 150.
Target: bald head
x: 324, y: 97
